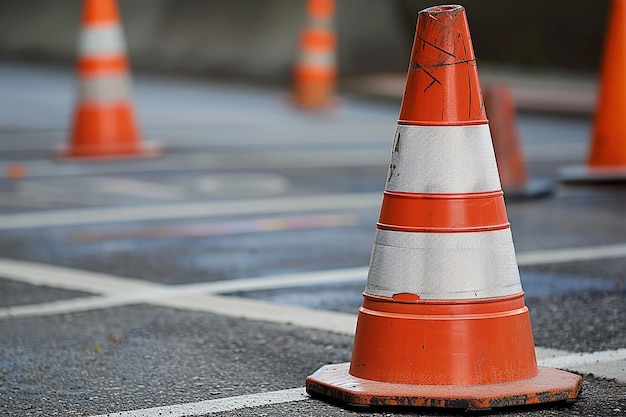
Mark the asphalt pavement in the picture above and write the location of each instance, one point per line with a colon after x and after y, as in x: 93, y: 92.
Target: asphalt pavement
x: 213, y: 280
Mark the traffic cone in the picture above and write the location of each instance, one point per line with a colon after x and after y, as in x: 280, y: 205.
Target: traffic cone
x: 15, y: 170
x: 514, y: 178
x: 104, y: 123
x: 607, y: 155
x: 315, y: 72
x: 443, y: 321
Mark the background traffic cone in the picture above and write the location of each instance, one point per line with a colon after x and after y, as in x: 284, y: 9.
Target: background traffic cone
x: 501, y: 112
x: 607, y: 153
x: 104, y: 123
x: 315, y: 72
x: 443, y: 321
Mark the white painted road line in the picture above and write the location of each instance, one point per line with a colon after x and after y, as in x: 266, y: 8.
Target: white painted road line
x: 118, y: 291
x: 608, y: 363
x: 71, y: 279
x: 223, y: 305
x: 582, y: 359
x: 303, y: 279
x: 200, y: 161
x: 219, y: 405
x: 130, y: 290
x: 124, y: 291
x: 586, y: 253
x: 73, y: 305
x: 189, y: 210
x: 267, y: 206
x: 574, y: 362
x: 135, y: 188
x: 237, y: 307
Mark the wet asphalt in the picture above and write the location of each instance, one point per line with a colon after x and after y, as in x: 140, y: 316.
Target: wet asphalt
x: 140, y: 356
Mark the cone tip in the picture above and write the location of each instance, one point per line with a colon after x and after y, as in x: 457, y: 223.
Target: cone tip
x: 448, y: 8
x: 442, y: 85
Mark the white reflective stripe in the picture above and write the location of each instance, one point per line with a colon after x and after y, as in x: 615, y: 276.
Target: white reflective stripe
x: 104, y: 88
x: 327, y: 23
x: 443, y: 159
x: 318, y: 59
x: 444, y: 265
x: 102, y: 40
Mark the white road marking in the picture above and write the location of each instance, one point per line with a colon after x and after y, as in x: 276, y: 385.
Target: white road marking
x: 189, y: 210
x: 73, y: 305
x: 582, y: 359
x: 47, y: 193
x: 302, y: 279
x: 585, y: 253
x: 573, y: 362
x: 309, y: 318
x: 28, y: 196
x: 135, y: 188
x: 223, y: 305
x: 210, y: 131
x: 608, y: 363
x: 219, y: 405
x: 266, y: 206
x: 254, y: 184
x: 8, y: 199
x: 201, y: 161
x: 116, y: 291
x: 71, y: 279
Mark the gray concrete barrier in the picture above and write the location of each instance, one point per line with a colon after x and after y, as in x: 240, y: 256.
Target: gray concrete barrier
x: 243, y: 38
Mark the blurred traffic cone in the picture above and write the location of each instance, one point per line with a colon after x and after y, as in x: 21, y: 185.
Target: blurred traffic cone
x: 315, y: 72
x: 104, y: 124
x: 443, y: 321
x: 607, y: 156
x: 501, y: 112
x: 15, y: 170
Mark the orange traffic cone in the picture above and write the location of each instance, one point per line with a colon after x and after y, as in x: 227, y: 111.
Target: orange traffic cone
x: 443, y: 321
x: 607, y: 156
x: 500, y: 109
x: 15, y: 170
x: 104, y: 124
x: 315, y: 73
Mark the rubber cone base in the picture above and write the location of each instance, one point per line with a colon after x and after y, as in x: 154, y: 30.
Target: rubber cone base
x: 587, y: 175
x: 335, y: 382
x: 535, y: 188
x: 313, y: 98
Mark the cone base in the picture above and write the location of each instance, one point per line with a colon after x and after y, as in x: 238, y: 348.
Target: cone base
x: 335, y: 382
x: 584, y: 174
x: 313, y: 96
x: 313, y: 103
x: 535, y: 188
x: 87, y: 154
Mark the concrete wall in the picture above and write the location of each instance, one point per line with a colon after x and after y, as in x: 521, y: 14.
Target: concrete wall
x: 257, y: 39
x: 541, y: 34
x: 237, y: 38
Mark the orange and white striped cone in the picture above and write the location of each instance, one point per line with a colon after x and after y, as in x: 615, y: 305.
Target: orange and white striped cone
x: 104, y: 123
x: 516, y: 183
x: 443, y: 321
x: 607, y: 154
x: 315, y: 72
